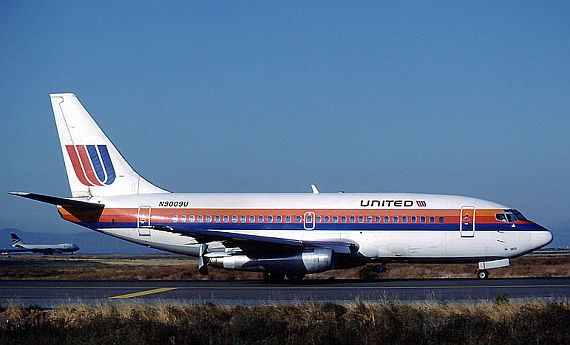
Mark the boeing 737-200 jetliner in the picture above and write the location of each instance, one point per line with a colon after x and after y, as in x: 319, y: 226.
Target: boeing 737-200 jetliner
x: 278, y: 234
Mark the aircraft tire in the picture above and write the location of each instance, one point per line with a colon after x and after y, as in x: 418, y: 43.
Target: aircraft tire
x: 482, y: 274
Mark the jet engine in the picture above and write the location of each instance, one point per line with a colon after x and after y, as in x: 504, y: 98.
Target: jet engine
x: 315, y: 261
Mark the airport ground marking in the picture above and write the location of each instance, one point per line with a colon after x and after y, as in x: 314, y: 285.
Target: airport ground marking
x: 145, y: 292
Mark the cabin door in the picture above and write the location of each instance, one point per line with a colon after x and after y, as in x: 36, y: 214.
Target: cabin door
x: 143, y: 221
x: 467, y: 221
x: 309, y: 220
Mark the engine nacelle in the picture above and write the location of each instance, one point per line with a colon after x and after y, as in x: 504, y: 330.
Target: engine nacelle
x: 315, y: 261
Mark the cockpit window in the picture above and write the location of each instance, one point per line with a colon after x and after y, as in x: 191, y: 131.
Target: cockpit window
x: 518, y: 214
x: 509, y: 216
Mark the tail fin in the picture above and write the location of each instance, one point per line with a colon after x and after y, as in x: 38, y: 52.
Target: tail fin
x: 94, y: 166
x: 15, y: 239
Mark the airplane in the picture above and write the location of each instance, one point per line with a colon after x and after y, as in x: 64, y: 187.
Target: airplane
x: 46, y: 249
x: 282, y: 235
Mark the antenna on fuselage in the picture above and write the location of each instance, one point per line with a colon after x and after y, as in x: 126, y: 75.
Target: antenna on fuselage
x: 314, y: 188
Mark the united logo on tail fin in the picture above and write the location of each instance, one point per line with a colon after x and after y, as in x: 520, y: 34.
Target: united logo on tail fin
x: 92, y: 164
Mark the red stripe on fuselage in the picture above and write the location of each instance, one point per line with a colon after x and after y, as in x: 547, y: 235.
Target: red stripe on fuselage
x: 77, y: 165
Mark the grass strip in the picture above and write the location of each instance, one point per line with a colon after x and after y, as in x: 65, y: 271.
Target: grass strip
x: 502, y: 322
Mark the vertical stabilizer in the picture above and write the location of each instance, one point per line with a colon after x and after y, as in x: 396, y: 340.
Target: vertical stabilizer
x: 94, y: 166
x: 15, y: 239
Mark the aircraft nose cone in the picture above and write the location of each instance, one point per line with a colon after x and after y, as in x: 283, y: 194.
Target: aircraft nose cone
x: 541, y: 238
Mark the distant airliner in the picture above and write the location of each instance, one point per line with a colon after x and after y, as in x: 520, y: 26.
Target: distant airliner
x: 46, y: 249
x: 278, y: 234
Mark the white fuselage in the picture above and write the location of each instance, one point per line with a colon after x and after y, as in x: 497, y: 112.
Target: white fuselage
x: 386, y: 227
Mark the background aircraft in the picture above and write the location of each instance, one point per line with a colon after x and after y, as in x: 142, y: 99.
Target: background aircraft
x: 278, y: 234
x: 46, y: 249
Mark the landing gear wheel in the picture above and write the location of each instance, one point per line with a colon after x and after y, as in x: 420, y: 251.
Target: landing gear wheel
x: 482, y: 274
x: 295, y: 278
x: 273, y: 277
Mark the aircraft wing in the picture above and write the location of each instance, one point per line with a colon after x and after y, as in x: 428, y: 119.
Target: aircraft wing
x: 260, y: 244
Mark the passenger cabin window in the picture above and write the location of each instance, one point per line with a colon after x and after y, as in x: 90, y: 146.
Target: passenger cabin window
x: 174, y: 219
x: 422, y: 219
x: 352, y: 219
x: 234, y: 219
x: 209, y: 219
x: 319, y: 219
x: 343, y: 219
x: 183, y: 219
x: 226, y: 219
x: 335, y: 219
x: 200, y: 219
x: 361, y: 219
x: 414, y: 219
x: 369, y: 219
x: 298, y: 219
x: 260, y: 219
x: 252, y: 219
x: 395, y: 219
x: 217, y: 219
x: 243, y: 219
x: 432, y: 219
x: 441, y: 219
x: 279, y: 219
x: 404, y: 219
x: 191, y: 219
x: 288, y: 219
x: 378, y: 219
x: 386, y: 219
x: 270, y: 219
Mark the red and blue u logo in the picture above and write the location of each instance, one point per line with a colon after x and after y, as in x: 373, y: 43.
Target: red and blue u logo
x: 92, y: 164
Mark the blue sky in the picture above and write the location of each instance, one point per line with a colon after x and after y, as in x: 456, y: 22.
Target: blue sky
x: 441, y: 97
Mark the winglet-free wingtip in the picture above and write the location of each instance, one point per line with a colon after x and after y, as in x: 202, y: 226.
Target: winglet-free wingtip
x: 19, y: 193
x: 314, y: 188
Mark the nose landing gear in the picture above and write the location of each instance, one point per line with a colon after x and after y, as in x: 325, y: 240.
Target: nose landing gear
x: 482, y: 274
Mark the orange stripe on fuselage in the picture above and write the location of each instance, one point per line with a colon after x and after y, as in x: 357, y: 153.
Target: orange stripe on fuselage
x: 164, y: 215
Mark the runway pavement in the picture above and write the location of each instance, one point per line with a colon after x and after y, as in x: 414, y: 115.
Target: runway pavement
x: 49, y: 293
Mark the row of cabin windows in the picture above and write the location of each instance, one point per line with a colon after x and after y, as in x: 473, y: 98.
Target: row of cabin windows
x: 318, y: 219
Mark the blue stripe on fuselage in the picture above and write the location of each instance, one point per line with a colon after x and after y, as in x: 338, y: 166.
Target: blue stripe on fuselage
x: 327, y: 227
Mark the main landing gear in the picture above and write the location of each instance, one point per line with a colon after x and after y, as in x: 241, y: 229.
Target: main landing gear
x: 482, y: 274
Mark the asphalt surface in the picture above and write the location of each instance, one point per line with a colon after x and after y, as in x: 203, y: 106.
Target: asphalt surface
x: 49, y: 293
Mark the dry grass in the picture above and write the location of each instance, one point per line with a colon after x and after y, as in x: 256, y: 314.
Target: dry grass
x: 390, y: 323
x: 180, y: 268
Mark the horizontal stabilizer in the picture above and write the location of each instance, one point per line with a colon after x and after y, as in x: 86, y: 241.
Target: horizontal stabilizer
x: 54, y: 200
x: 84, y: 211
